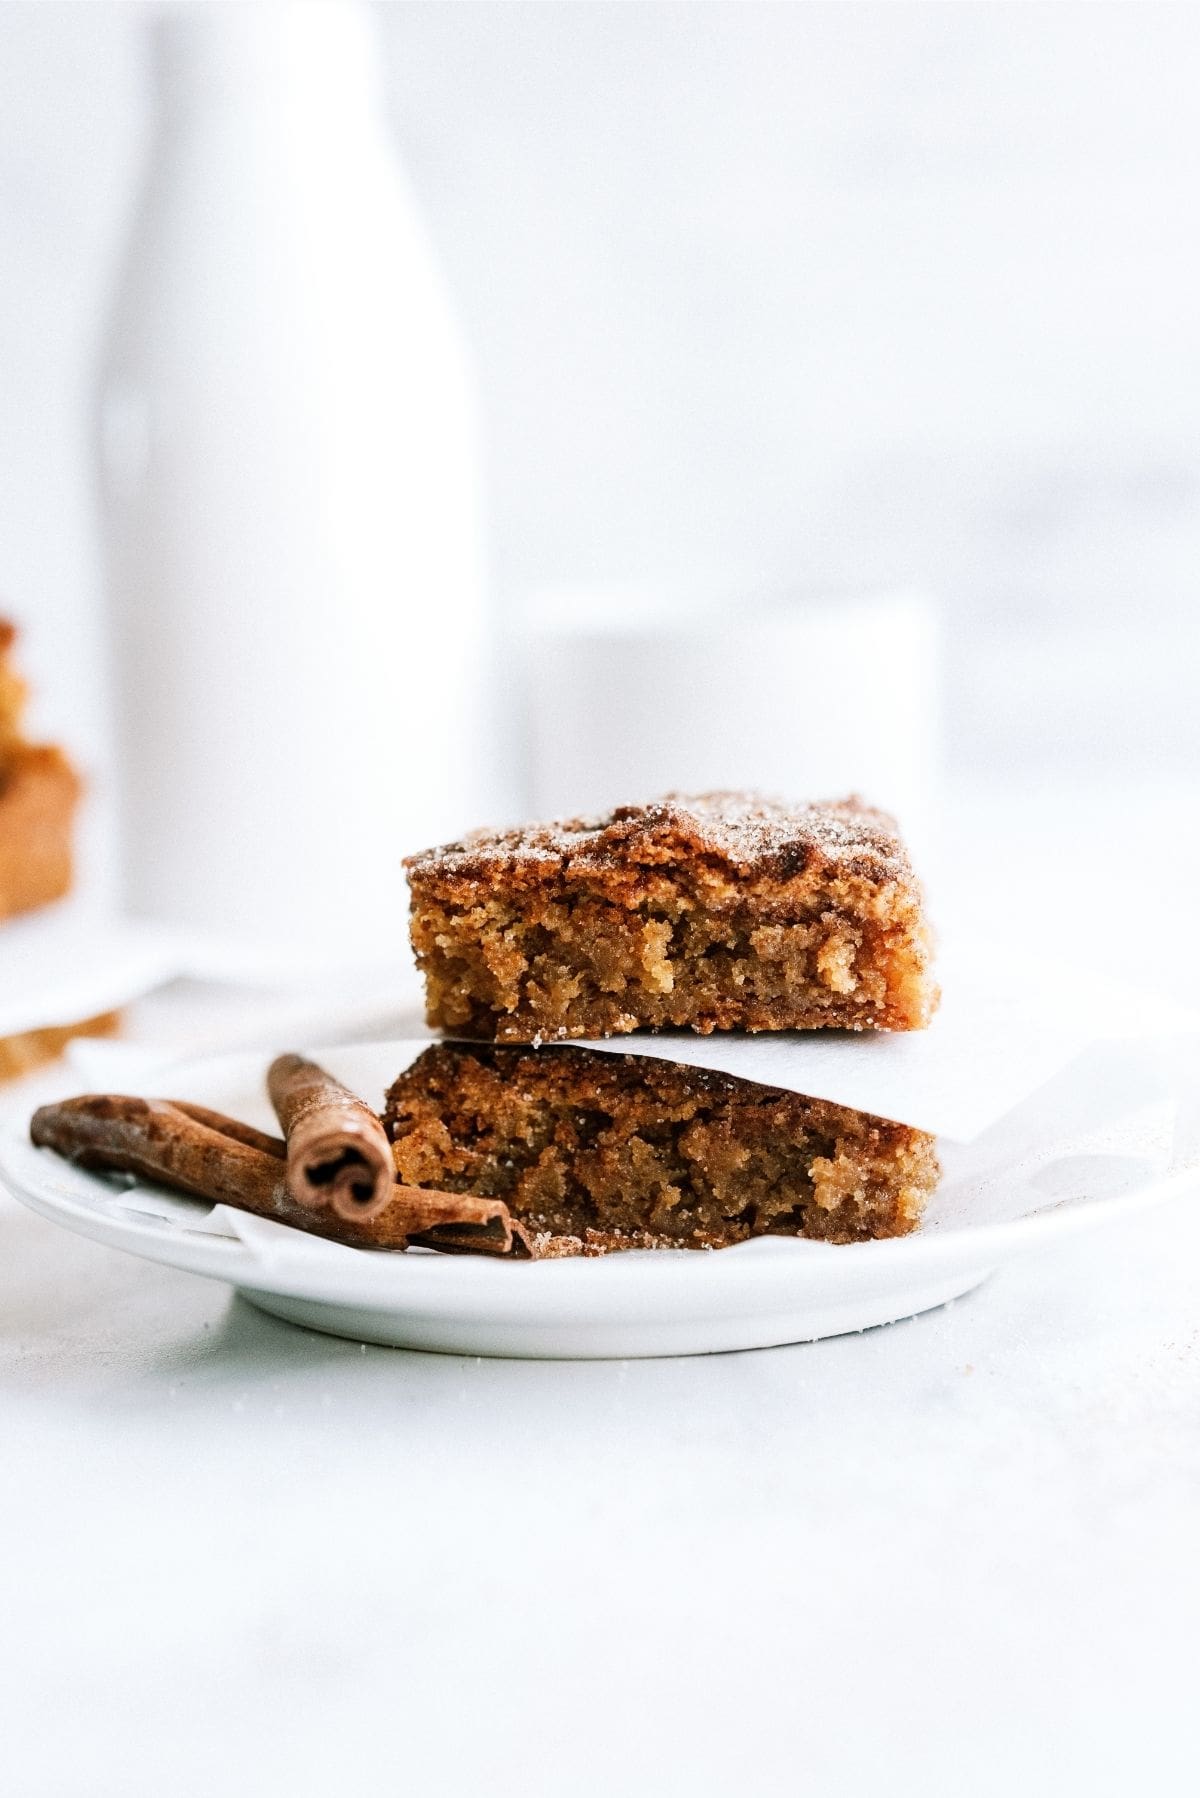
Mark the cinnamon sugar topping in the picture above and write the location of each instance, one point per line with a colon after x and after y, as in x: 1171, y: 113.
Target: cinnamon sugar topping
x: 721, y: 912
x: 744, y: 830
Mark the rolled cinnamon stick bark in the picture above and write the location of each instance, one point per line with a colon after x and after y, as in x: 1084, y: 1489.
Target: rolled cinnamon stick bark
x: 158, y: 1140
x: 498, y: 1236
x: 338, y: 1154
x: 209, y: 1156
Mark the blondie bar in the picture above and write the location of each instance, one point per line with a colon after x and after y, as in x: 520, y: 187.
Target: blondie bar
x: 12, y: 696
x: 722, y: 912
x: 39, y: 792
x: 594, y: 1151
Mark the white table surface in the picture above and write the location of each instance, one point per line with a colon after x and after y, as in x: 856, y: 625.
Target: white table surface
x: 955, y: 1555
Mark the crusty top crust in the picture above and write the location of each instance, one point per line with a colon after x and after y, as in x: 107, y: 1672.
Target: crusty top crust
x: 749, y: 834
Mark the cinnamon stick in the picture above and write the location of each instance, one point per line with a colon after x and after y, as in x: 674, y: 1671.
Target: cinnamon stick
x: 478, y: 1239
x: 155, y: 1139
x: 208, y: 1156
x: 338, y: 1154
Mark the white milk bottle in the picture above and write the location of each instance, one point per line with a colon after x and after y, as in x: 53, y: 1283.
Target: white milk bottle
x: 290, y: 499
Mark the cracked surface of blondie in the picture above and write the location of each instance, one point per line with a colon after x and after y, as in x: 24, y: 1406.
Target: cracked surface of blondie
x: 720, y: 912
x: 595, y: 1151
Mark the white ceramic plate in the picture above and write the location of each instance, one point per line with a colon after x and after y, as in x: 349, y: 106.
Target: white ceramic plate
x: 1112, y: 1133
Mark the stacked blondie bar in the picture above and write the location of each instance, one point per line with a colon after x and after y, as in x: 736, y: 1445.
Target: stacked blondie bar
x: 722, y: 912
x: 39, y: 795
x: 39, y: 791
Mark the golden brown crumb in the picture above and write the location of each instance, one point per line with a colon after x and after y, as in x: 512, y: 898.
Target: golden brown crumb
x: 39, y: 792
x: 12, y: 698
x: 593, y: 1151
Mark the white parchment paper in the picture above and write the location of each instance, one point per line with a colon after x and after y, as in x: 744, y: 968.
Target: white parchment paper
x: 1005, y: 1026
x: 67, y: 963
x: 64, y: 965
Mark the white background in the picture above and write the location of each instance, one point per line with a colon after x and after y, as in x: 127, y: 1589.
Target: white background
x: 759, y: 295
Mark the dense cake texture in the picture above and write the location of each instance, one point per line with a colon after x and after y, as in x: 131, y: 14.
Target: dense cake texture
x: 722, y: 912
x: 39, y: 792
x: 595, y: 1151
